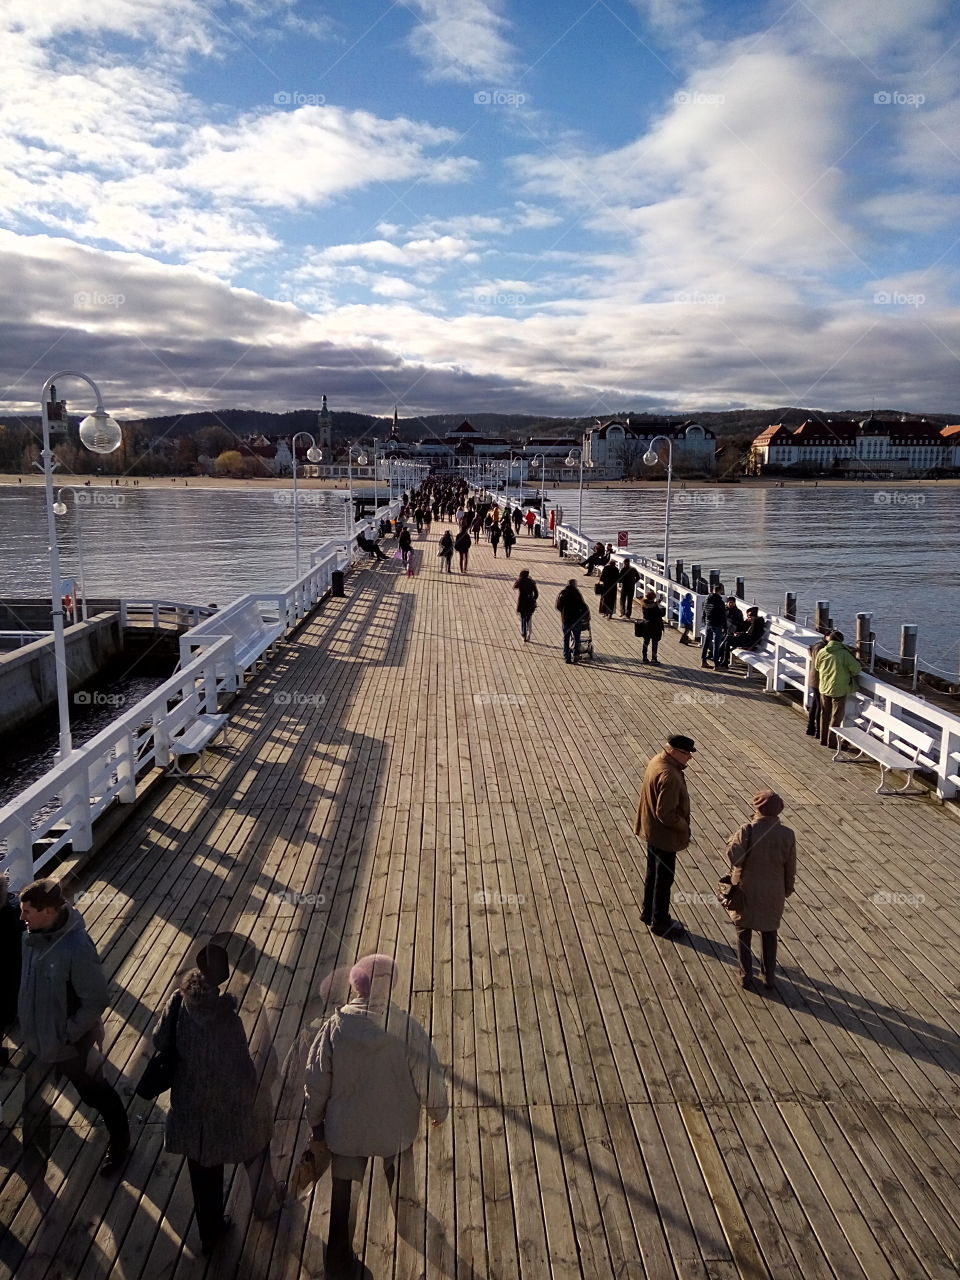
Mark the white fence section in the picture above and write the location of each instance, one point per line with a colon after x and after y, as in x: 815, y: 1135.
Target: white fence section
x: 790, y: 652
x: 217, y: 655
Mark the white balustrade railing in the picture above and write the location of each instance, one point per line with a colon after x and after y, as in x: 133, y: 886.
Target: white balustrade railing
x: 789, y: 648
x: 60, y: 808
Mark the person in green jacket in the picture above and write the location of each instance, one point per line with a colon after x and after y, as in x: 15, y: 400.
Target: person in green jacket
x: 838, y: 672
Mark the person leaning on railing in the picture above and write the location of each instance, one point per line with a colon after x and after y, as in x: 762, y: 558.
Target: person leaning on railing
x: 839, y: 673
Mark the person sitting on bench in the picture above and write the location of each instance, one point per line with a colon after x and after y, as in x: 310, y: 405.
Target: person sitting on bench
x: 751, y: 633
x: 367, y: 544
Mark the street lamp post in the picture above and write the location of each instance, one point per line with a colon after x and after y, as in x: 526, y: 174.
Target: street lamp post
x: 543, y: 470
x: 651, y: 458
x: 60, y: 509
x: 100, y: 434
x: 571, y: 461
x: 313, y: 455
x: 361, y: 462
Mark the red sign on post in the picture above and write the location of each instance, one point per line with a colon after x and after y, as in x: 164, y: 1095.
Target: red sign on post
x: 623, y: 538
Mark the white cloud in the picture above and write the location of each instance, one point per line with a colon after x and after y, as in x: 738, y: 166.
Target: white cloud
x: 414, y: 253
x: 462, y: 39
x: 291, y: 158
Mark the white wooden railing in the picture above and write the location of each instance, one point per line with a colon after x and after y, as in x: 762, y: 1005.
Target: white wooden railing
x: 789, y: 648
x: 60, y: 808
x: 161, y: 613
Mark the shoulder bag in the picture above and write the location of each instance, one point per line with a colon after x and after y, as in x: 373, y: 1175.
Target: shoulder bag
x: 158, y: 1074
x: 731, y: 895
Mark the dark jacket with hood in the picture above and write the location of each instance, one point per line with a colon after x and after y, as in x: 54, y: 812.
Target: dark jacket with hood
x: 62, y: 988
x: 213, y: 1116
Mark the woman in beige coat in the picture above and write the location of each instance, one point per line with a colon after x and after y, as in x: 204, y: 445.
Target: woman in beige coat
x: 763, y: 860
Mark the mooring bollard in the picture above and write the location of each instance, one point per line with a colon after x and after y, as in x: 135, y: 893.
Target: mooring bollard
x: 696, y: 573
x: 702, y: 587
x: 741, y: 590
x: 823, y: 615
x: 864, y: 645
x: 714, y: 578
x: 336, y: 583
x: 790, y: 606
x: 908, y: 649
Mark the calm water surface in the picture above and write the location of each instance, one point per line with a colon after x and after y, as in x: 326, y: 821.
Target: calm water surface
x: 892, y: 551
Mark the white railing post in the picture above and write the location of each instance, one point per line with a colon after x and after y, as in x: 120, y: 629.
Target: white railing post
x: 127, y: 769
x: 76, y: 808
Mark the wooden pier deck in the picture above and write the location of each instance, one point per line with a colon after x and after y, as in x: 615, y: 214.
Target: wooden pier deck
x: 620, y: 1107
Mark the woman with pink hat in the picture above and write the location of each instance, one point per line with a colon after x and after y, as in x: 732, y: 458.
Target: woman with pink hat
x: 763, y: 860
x: 370, y: 1071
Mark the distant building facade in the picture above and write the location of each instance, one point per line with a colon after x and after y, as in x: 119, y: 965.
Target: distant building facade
x: 874, y: 447
x: 615, y: 449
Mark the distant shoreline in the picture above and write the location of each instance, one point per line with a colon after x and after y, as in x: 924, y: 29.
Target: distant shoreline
x: 285, y: 482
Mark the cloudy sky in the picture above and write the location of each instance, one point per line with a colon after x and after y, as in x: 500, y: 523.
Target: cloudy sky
x: 466, y: 205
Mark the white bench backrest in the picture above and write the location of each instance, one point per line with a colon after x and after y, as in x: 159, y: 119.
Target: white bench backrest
x: 887, y: 728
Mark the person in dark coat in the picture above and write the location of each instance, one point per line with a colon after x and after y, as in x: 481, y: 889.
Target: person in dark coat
x: 11, y: 933
x: 575, y: 615
x: 714, y: 627
x: 609, y: 577
x: 527, y: 594
x: 213, y: 1118
x: 517, y: 519
x: 495, y: 535
x: 653, y: 615
x: 734, y: 622
x: 405, y: 543
x: 446, y: 550
x: 763, y: 860
x: 462, y: 544
x: 509, y: 537
x: 752, y: 631
x: 629, y: 577
x: 368, y: 545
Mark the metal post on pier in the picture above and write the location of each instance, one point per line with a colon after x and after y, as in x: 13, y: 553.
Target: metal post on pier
x: 790, y: 606
x: 678, y: 568
x: 864, y: 645
x: 714, y: 578
x: 908, y: 650
x: 741, y: 589
x: 823, y: 615
x: 696, y: 573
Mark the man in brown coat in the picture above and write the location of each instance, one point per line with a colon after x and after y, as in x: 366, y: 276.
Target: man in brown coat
x: 663, y: 819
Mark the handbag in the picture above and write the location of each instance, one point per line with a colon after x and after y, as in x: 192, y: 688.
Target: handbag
x: 731, y: 895
x: 314, y: 1162
x: 158, y: 1074
x: 640, y: 630
x: 598, y: 588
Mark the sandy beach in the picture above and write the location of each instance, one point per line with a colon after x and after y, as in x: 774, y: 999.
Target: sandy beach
x: 276, y: 482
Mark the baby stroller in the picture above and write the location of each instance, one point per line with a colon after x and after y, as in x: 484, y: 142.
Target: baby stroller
x: 586, y: 643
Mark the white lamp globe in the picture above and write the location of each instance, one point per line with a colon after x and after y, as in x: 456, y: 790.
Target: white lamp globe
x: 650, y: 458
x: 570, y: 461
x: 99, y: 433
x: 314, y: 454
x: 361, y: 459
x: 59, y: 508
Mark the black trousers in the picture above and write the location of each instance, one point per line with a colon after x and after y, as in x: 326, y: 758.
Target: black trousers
x: 813, y: 715
x: 206, y: 1182
x: 768, y: 943
x: 93, y: 1090
x: 661, y: 869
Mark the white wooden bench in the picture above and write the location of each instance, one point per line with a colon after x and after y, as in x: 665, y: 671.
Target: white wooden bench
x: 254, y: 634
x: 194, y: 741
x: 781, y: 657
x: 875, y: 734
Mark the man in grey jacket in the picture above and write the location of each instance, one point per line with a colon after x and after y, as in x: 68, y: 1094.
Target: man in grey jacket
x: 62, y: 994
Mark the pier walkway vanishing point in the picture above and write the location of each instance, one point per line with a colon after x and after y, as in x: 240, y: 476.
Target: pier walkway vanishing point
x: 409, y: 777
